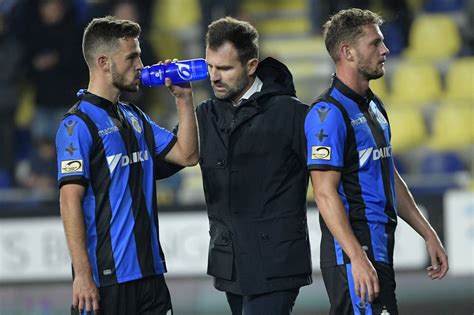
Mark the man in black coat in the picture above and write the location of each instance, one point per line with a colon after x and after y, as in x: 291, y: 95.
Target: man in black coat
x: 252, y: 157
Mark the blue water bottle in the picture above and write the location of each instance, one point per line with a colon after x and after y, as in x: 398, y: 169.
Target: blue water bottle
x: 178, y: 72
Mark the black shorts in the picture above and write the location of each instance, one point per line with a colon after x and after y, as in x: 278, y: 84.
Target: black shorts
x: 146, y: 296
x: 340, y: 288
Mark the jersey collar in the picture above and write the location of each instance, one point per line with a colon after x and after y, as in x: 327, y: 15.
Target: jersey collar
x: 347, y: 91
x: 96, y: 100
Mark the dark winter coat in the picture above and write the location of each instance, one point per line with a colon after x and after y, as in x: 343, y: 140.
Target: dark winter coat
x: 255, y: 181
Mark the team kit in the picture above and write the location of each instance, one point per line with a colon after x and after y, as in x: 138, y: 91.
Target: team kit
x: 258, y: 147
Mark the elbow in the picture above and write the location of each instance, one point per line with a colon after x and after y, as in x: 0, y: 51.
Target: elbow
x: 192, y: 162
x: 192, y: 159
x: 321, y: 195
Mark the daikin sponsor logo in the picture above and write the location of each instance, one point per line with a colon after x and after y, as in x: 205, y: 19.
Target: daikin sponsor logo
x: 375, y: 153
x: 114, y: 160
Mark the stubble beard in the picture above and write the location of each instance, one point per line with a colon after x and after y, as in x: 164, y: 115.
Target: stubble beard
x: 235, y: 91
x: 370, y: 73
x: 118, y: 81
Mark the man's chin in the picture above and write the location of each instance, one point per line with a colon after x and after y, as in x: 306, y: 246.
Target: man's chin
x: 131, y: 88
x: 221, y: 96
x: 377, y: 75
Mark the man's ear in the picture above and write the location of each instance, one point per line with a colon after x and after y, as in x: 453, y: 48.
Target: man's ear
x: 347, y: 52
x: 252, y: 66
x: 103, y: 63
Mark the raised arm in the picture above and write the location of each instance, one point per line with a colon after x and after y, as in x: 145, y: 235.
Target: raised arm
x: 410, y: 213
x: 185, y: 152
x: 85, y: 295
x: 325, y: 185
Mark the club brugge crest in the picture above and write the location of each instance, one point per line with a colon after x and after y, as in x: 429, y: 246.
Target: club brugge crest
x: 136, y: 124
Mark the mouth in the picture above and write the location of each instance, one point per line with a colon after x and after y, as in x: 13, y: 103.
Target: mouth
x: 219, y: 87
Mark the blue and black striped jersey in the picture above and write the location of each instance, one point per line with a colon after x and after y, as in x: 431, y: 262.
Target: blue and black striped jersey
x: 109, y: 149
x: 351, y: 134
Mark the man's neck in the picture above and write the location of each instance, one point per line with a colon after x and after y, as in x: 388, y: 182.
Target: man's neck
x: 236, y: 100
x: 101, y: 88
x: 352, y: 79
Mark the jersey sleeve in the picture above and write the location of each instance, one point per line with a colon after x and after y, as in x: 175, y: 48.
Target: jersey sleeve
x: 325, y: 133
x: 164, y: 139
x: 73, y: 148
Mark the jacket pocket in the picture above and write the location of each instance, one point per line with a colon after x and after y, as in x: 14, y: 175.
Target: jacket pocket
x: 213, y: 178
x: 221, y: 252
x: 284, y: 246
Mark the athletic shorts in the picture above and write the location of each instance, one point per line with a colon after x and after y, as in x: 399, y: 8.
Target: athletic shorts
x: 344, y: 301
x: 146, y: 296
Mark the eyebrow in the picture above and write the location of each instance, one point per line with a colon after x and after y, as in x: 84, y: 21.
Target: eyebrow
x: 377, y: 40
x: 133, y: 55
x: 221, y: 67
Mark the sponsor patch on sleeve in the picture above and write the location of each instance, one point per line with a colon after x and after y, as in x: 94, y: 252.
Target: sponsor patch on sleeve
x: 320, y: 153
x: 71, y: 166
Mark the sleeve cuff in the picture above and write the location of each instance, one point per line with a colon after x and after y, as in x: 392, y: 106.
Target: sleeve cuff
x: 168, y: 148
x: 324, y: 167
x: 76, y: 179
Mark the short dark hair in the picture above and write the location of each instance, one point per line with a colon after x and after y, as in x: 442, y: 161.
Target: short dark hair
x: 104, y: 33
x: 345, y: 27
x: 242, y: 35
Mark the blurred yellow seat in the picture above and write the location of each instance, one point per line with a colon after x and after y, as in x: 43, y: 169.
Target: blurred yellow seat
x: 452, y: 127
x: 415, y: 6
x: 408, y: 128
x: 177, y: 15
x: 433, y: 37
x: 170, y: 19
x: 191, y: 191
x: 415, y: 84
x: 250, y: 7
x: 460, y: 80
x: 379, y: 87
x: 310, y: 193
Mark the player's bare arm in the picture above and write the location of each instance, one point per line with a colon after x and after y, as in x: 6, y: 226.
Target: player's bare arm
x: 332, y: 210
x: 85, y: 295
x: 410, y: 213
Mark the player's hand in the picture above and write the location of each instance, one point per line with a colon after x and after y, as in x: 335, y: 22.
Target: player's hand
x: 85, y: 295
x: 181, y: 90
x: 366, y: 281
x: 439, y: 260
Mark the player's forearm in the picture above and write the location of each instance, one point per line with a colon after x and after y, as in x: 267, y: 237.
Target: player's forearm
x: 333, y: 213
x: 74, y: 229
x: 187, y: 133
x: 409, y: 211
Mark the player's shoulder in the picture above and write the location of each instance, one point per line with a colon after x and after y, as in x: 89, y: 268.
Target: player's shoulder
x: 323, y: 110
x: 74, y: 124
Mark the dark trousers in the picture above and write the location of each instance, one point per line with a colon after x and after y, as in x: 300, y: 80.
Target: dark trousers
x: 273, y: 303
x: 341, y: 292
x: 146, y: 296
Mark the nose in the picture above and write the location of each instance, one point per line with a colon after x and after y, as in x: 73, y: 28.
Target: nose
x: 385, y: 49
x: 140, y: 64
x: 213, y: 74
